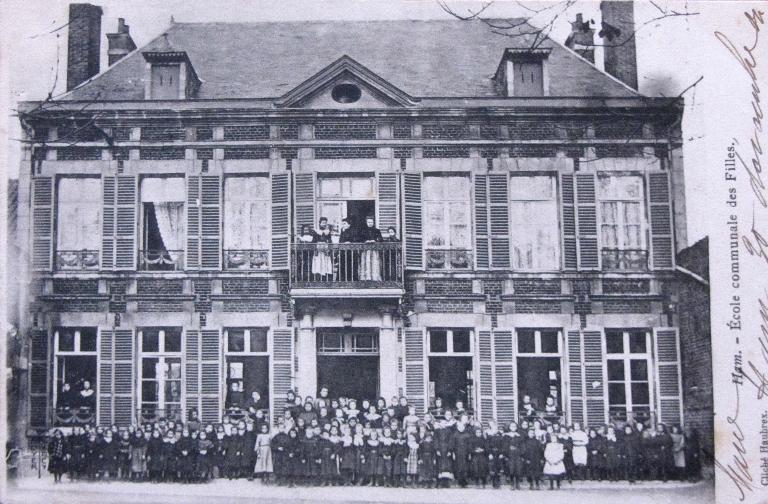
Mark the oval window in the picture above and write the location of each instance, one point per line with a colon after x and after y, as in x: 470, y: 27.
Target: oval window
x: 346, y: 93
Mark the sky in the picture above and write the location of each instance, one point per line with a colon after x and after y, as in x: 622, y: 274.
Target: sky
x: 34, y: 47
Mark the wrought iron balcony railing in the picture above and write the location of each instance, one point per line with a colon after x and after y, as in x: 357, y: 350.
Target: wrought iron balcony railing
x: 161, y: 260
x: 625, y: 259
x: 347, y: 265
x: 449, y: 259
x: 77, y: 260
x: 246, y: 259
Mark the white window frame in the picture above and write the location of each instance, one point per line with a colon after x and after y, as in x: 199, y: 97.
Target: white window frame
x: 349, y: 347
x: 537, y: 353
x: 427, y: 201
x: 267, y: 216
x: 247, y: 343
x: 620, y: 224
x: 77, y: 352
x: 161, y: 354
x: 626, y: 356
x: 537, y: 342
x: 344, y: 196
x: 449, y: 337
x: 554, y: 200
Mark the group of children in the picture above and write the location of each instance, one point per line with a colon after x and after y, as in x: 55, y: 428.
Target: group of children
x: 319, y: 441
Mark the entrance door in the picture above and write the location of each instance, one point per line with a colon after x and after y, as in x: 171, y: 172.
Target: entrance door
x: 348, y: 362
x: 450, y: 366
x: 358, y: 210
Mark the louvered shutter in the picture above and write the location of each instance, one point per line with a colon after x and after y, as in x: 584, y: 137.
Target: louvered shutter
x: 210, y: 375
x: 42, y: 223
x: 414, y: 241
x: 498, y: 197
x: 586, y: 220
x: 282, y: 366
x: 280, y: 220
x: 594, y: 382
x: 504, y: 376
x: 194, y: 211
x: 304, y: 185
x: 481, y: 222
x: 108, y: 222
x: 123, y: 377
x: 39, y: 379
x: 125, y: 228
x: 415, y: 366
x: 568, y: 210
x: 660, y: 217
x: 192, y: 370
x: 485, y: 376
x: 387, y: 204
x: 106, y: 379
x: 667, y: 364
x: 575, y: 377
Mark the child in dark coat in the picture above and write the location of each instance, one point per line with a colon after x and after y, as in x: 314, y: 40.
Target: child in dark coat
x: 400, y: 454
x: 478, y: 454
x: 427, y: 462
x: 280, y: 444
x: 155, y: 457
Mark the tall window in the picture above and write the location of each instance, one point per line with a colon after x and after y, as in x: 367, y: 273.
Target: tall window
x: 247, y: 230
x: 78, y: 218
x: 75, y: 370
x: 247, y: 356
x: 628, y: 358
x: 450, y: 354
x: 539, y: 373
x: 622, y: 222
x: 447, y: 219
x: 351, y: 197
x: 163, y: 228
x: 160, y: 373
x: 535, y: 223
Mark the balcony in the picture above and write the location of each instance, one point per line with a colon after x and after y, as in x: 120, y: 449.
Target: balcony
x: 355, y: 269
x: 246, y: 259
x: 161, y: 260
x: 625, y: 259
x: 77, y: 260
x: 449, y: 259
x: 68, y: 417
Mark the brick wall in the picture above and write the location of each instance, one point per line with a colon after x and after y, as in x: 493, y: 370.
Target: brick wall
x: 117, y: 289
x: 354, y: 130
x: 162, y: 133
x: 449, y: 306
x: 247, y: 132
x: 159, y: 286
x: 626, y: 306
x: 78, y: 154
x: 157, y: 306
x: 84, y: 41
x: 448, y: 287
x: 537, y: 306
x: 619, y: 286
x: 202, y: 289
x: 345, y: 153
x: 246, y: 152
x: 534, y: 286
x: 446, y: 151
x: 75, y: 287
x: 245, y: 286
x: 79, y: 306
x: 161, y: 153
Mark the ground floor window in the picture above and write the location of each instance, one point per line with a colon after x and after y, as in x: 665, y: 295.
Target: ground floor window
x: 75, y: 370
x: 161, y: 374
x: 628, y: 366
x: 247, y: 365
x: 450, y: 366
x: 539, y: 374
x: 348, y: 362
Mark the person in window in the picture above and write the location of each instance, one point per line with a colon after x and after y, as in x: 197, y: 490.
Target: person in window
x: 321, y: 260
x: 65, y: 399
x: 528, y: 411
x: 87, y: 396
x: 254, y: 403
x: 235, y: 396
x: 389, y: 261
x: 370, y: 267
x: 348, y: 259
x: 551, y: 410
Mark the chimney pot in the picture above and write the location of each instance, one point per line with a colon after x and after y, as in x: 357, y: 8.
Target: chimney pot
x: 83, y: 44
x: 582, y: 39
x: 120, y: 43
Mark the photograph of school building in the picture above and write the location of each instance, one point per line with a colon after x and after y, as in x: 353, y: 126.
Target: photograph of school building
x: 382, y: 208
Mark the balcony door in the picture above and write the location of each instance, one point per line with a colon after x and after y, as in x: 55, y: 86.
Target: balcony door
x: 352, y: 197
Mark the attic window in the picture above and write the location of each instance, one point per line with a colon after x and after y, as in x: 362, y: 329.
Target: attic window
x: 526, y: 72
x: 346, y: 93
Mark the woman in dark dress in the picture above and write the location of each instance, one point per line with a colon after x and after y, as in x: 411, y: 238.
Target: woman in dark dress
x: 328, y: 453
x: 595, y: 456
x: 169, y: 457
x: 310, y: 457
x: 612, y: 461
x: 93, y: 455
x: 57, y: 451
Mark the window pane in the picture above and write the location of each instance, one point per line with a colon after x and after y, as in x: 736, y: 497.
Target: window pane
x: 150, y: 340
x: 246, y: 221
x: 78, y: 214
x: 640, y: 394
x: 330, y: 186
x: 620, y: 187
x: 259, y: 339
x: 532, y: 187
x: 173, y: 391
x: 361, y: 188
x: 638, y: 369
x: 332, y: 342
x: 149, y: 391
x: 149, y: 368
x: 438, y: 341
x: 549, y: 342
x: 526, y: 342
x: 235, y: 340
x: 638, y: 342
x: 614, y: 342
x: 88, y: 339
x: 616, y: 393
x: 66, y: 340
x: 461, y: 340
x: 172, y: 341
x: 436, y: 228
x: 173, y: 369
x: 615, y: 370
x: 364, y: 342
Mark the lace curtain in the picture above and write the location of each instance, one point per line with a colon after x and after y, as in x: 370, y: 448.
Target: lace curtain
x: 247, y: 213
x: 79, y: 214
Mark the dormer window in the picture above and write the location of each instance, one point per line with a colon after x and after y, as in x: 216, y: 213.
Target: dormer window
x: 170, y: 76
x: 524, y: 72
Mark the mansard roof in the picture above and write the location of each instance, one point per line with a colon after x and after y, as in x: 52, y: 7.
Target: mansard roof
x: 422, y: 59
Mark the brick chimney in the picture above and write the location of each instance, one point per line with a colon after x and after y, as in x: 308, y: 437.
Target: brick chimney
x: 84, y: 44
x: 582, y: 39
x: 618, y: 34
x: 120, y: 43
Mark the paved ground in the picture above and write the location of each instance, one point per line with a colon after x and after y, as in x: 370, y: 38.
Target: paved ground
x: 44, y: 491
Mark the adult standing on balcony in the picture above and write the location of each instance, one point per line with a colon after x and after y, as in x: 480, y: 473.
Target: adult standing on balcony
x: 370, y: 267
x: 348, y: 260
x: 322, y: 265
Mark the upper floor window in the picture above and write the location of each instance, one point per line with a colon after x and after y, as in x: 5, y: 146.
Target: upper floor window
x: 165, y: 82
x: 163, y: 226
x: 247, y: 225
x: 448, y: 221
x: 78, y: 217
x: 534, y: 222
x: 622, y: 224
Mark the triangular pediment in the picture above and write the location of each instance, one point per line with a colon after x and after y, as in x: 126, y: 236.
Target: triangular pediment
x: 324, y: 88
